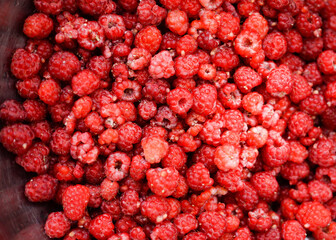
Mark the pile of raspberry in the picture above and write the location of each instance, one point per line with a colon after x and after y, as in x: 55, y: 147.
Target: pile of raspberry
x: 178, y: 119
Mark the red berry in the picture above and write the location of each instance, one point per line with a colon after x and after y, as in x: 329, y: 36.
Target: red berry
x: 57, y: 225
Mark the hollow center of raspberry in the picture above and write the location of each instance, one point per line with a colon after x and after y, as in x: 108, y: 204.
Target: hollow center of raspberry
x: 182, y: 101
x: 248, y: 42
x: 111, y: 25
x: 326, y: 179
x: 128, y: 91
x: 118, y: 165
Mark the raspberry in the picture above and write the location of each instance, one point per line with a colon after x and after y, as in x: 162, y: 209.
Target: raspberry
x: 57, y: 225
x: 78, y: 233
x: 53, y: 7
x: 248, y: 43
x: 322, y: 153
x: 247, y: 7
x: 279, y: 81
x: 156, y: 90
x: 148, y: 38
x: 300, y: 123
x: 247, y: 198
x: 36, y: 111
x: 177, y: 22
x: 60, y: 142
x: 82, y: 107
x: 38, y: 26
x: 100, y: 66
x: 228, y: 28
x: 227, y: 157
x: 211, y: 131
x: 309, y: 24
x: 205, y: 155
x: 49, y: 91
x: 285, y: 21
x: 312, y: 215
x: 161, y: 65
x: 176, y: 157
x: 130, y: 202
x: 83, y: 149
x: 198, y: 177
x: 298, y: 153
x: 75, y: 199
x: 253, y: 102
x: 28, y: 88
x: 329, y: 36
x: 137, y: 233
x: 186, y: 66
x: 272, y: 233
x: 147, y: 109
x: 292, y: 229
x: 258, y: 23
x: 294, y: 41
x: 101, y: 227
x: 266, y: 186
x: 195, y: 236
x: 92, y: 7
x: 207, y: 72
x: 156, y: 208
x: 91, y: 35
x: 85, y: 82
x: 162, y: 182
x: 259, y: 220
x: 117, y: 166
x: 128, y: 134
x: 311, y: 49
x: 185, y: 223
x: 63, y: 65
x: 206, y: 41
x: 275, y: 45
x: 41, y: 188
x: 113, y: 25
x: 213, y: 224
x: 294, y: 171
x: 149, y: 13
x: 319, y: 191
x: 327, y: 62
x: 180, y: 100
x: 278, y: 4
x: 42, y: 130
x: 204, y: 99
x: 138, y: 58
x: 127, y: 90
x: 231, y: 180
x: 164, y: 231
x: 155, y: 149
x: 108, y: 189
x: 301, y: 88
x: 288, y: 208
x: 246, y: 79
x: 12, y: 111
x: 224, y: 57
x: 24, y: 64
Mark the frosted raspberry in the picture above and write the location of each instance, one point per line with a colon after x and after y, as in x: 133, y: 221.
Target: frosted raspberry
x: 327, y: 62
x: 246, y: 79
x: 248, y: 43
x: 75, y: 199
x: 258, y: 23
x: 312, y: 215
x: 117, y: 166
x: 198, y: 177
x: 38, y: 26
x: 204, y: 99
x: 279, y: 81
x: 53, y: 7
x: 149, y: 13
x: 259, y: 220
x: 319, y: 191
x: 266, y: 186
x: 161, y: 65
x: 63, y: 65
x: 57, y: 225
x: 85, y: 82
x: 177, y: 22
x: 148, y: 38
x: 322, y: 153
x: 224, y: 57
x: 100, y: 66
x: 213, y: 224
x: 83, y: 149
x: 154, y: 148
x: 101, y: 227
x: 162, y: 182
x: 28, y: 88
x: 24, y: 64
x: 314, y: 104
x: 155, y: 208
x: 186, y: 66
x: 275, y: 45
x: 130, y: 202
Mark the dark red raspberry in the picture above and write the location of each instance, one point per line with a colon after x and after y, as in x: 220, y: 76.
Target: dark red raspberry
x: 312, y: 215
x: 28, y: 88
x: 161, y: 65
x: 38, y: 26
x: 63, y: 65
x: 36, y: 110
x: 156, y: 90
x: 309, y: 24
x: 91, y: 35
x: 24, y: 64
x: 205, y: 154
x: 101, y: 227
x: 213, y: 224
x: 246, y: 7
x: 148, y: 38
x: 294, y: 41
x: 113, y: 25
x: 128, y: 134
x: 246, y: 79
x: 272, y: 233
x: 314, y: 104
x: 41, y: 188
x: 127, y: 90
x: 53, y: 7
x: 285, y: 21
x: 247, y: 198
x: 149, y: 13
x: 92, y: 7
x: 78, y: 234
x: 42, y: 130
x: 60, y: 142
x: 130, y: 202
x: 275, y: 45
x: 75, y: 199
x: 225, y: 57
x: 156, y: 208
x: 57, y: 225
x: 138, y: 168
x: 12, y: 111
x: 100, y: 66
x: 312, y: 47
x: 204, y: 99
x: 85, y: 82
x: 147, y: 109
x: 198, y: 177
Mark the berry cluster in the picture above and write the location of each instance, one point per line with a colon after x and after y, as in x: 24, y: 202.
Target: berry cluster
x: 178, y: 119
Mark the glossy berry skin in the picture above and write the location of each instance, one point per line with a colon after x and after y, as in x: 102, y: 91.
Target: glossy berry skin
x: 57, y: 225
x: 74, y: 200
x: 162, y: 182
x: 101, y: 227
x: 41, y: 188
x: 24, y: 64
x: 38, y: 26
x: 213, y: 224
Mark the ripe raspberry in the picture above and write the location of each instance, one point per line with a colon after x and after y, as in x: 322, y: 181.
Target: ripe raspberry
x: 313, y: 215
x: 127, y: 90
x: 75, y: 199
x: 301, y: 88
x: 272, y: 233
x: 314, y: 104
x: 319, y: 191
x: 92, y: 7
x: 186, y: 66
x: 57, y: 225
x: 78, y: 233
x: 312, y: 47
x: 108, y: 189
x: 63, y: 65
x: 113, y: 25
x: 130, y: 202
x: 12, y: 111
x: 148, y: 38
x: 100, y: 66
x: 53, y: 7
x: 24, y: 64
x: 17, y: 138
x: 185, y: 223
x: 155, y: 149
x: 186, y: 45
x: 227, y: 157
x: 195, y: 236
x: 138, y: 58
x: 327, y: 62
x: 204, y: 99
x: 247, y: 7
x: 156, y: 90
x: 49, y: 91
x: 294, y: 171
x: 231, y: 180
x: 247, y: 198
x: 117, y: 166
x: 275, y: 45
x: 309, y: 24
x: 60, y: 142
x: 246, y: 78
x: 149, y: 13
x: 253, y: 103
x: 147, y: 109
x: 279, y: 81
x: 164, y: 231
x: 177, y: 22
x: 258, y: 23
x: 266, y: 186
x: 247, y: 43
x: 259, y: 221
x: 161, y: 65
x: 180, y: 100
x: 101, y: 227
x: 213, y: 224
x: 128, y: 134
x: 85, y: 82
x: 91, y: 35
x: 156, y: 208
x: 38, y: 26
x: 198, y: 177
x: 300, y: 123
x: 41, y: 188
x: 28, y: 88
x: 292, y: 229
x: 225, y: 57
x: 294, y: 41
x: 83, y: 149
x: 162, y: 182
x: 298, y: 153
x: 322, y: 153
